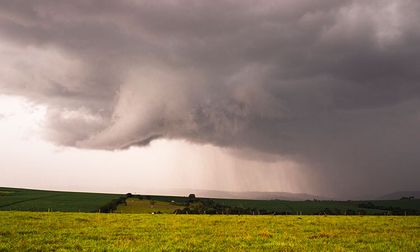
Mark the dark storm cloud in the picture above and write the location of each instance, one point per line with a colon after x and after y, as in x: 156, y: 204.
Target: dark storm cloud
x: 334, y: 85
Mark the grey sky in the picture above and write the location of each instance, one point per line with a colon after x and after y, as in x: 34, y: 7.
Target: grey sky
x: 331, y: 85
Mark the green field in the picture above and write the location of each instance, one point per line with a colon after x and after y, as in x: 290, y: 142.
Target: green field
x: 378, y: 207
x: 313, y: 207
x: 23, y: 231
x: 39, y: 200
x: 146, y: 206
x: 132, y: 227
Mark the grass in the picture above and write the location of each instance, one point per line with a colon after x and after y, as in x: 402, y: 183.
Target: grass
x: 23, y: 231
x: 313, y: 207
x: 306, y: 207
x: 134, y: 205
x: 39, y: 200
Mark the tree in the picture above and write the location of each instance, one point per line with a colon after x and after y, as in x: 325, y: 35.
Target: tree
x: 191, y: 198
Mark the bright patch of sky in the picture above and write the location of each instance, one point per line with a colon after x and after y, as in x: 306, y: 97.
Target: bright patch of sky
x: 29, y: 161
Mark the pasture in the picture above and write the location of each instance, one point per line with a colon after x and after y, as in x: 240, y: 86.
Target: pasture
x: 22, y: 231
x: 133, y: 205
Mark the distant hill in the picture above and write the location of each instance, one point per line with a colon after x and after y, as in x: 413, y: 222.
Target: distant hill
x: 399, y: 195
x: 20, y: 199
x: 248, y: 195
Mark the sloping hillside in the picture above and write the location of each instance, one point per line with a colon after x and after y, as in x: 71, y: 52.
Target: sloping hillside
x: 40, y: 200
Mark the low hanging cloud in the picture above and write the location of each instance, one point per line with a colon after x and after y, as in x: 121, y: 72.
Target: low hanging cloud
x: 334, y: 85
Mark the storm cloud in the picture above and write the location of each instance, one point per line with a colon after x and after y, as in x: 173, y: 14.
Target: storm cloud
x: 332, y: 85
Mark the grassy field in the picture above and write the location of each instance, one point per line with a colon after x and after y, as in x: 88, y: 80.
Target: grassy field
x: 146, y: 206
x: 309, y: 206
x: 22, y: 231
x: 39, y: 200
x: 305, y: 207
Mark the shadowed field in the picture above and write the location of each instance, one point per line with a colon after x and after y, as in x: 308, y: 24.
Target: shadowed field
x: 124, y: 232
x: 40, y: 200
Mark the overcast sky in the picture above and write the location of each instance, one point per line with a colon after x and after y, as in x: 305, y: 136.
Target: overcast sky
x: 307, y: 96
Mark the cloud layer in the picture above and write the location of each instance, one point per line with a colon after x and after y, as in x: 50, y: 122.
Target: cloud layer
x: 334, y: 85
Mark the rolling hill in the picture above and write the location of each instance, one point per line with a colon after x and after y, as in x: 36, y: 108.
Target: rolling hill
x: 41, y: 200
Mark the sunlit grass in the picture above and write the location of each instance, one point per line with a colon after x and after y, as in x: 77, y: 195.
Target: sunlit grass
x: 134, y: 205
x: 21, y: 231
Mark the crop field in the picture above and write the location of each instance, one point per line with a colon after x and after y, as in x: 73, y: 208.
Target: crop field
x: 22, y: 231
x: 39, y: 200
